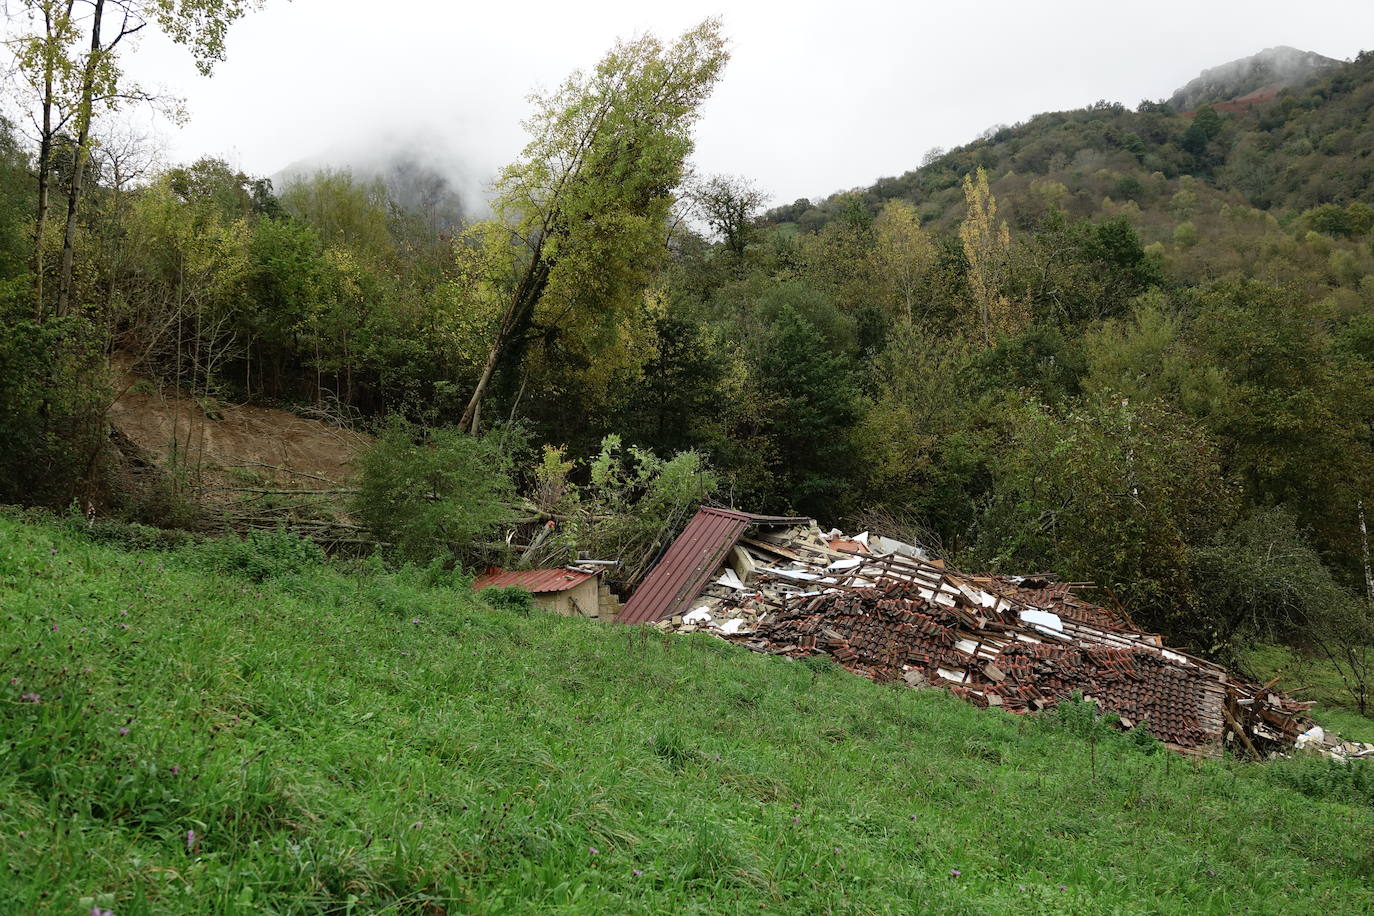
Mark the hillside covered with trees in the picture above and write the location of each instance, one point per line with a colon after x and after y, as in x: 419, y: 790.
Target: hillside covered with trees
x: 1135, y: 347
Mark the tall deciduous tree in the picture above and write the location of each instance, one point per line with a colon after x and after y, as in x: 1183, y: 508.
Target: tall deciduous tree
x: 72, y: 85
x: 902, y: 253
x: 987, y: 244
x: 46, y: 59
x: 586, y: 202
x: 728, y: 205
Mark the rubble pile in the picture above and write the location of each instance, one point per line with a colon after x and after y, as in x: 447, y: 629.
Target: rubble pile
x: 887, y: 611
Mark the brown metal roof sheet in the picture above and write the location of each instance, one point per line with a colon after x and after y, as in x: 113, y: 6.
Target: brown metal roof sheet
x: 532, y: 580
x: 681, y: 574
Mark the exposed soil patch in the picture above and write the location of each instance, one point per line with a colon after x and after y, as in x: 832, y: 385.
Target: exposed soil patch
x: 225, y: 454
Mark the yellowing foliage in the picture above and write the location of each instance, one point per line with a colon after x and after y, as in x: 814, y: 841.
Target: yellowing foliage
x: 987, y: 244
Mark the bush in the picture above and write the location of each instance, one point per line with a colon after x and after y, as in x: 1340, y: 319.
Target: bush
x: 512, y: 598
x: 130, y: 535
x: 1080, y: 718
x: 1322, y: 778
x: 1261, y: 577
x: 262, y: 555
x: 52, y: 405
x: 636, y: 501
x: 435, y: 493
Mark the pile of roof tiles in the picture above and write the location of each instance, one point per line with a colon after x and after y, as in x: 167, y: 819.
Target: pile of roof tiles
x: 886, y: 611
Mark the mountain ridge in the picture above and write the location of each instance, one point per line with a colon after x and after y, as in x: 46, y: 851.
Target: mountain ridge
x: 1276, y: 68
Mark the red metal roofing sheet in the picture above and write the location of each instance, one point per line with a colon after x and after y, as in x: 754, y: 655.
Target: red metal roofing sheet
x: 533, y: 580
x: 688, y: 563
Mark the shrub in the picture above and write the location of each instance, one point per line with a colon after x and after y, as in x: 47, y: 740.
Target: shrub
x: 130, y: 535
x: 262, y: 555
x: 512, y: 598
x: 1263, y: 580
x: 52, y: 405
x: 1322, y: 778
x: 637, y: 500
x: 435, y: 493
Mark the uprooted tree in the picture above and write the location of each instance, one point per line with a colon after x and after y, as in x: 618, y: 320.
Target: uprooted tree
x: 581, y: 215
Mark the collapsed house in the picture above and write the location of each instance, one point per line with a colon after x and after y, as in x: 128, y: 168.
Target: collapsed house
x: 888, y: 611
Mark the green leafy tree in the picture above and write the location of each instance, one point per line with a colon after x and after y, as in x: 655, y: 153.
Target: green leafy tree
x: 1074, y: 271
x: 288, y: 278
x: 923, y: 438
x: 810, y: 408
x: 582, y: 213
x: 73, y: 66
x: 343, y: 211
x: 675, y: 403
x: 1109, y: 492
x: 728, y: 205
x: 1296, y: 418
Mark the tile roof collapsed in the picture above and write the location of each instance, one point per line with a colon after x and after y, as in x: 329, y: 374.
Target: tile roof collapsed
x: 886, y: 610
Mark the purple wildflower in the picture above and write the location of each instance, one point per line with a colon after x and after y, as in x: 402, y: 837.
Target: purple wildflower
x: 954, y: 872
x: 95, y: 910
x: 54, y: 628
x: 190, y: 841
x: 1063, y: 887
x: 637, y: 871
x: 176, y: 768
x: 415, y: 620
x: 31, y: 698
x: 593, y: 850
x: 53, y: 552
x: 123, y: 731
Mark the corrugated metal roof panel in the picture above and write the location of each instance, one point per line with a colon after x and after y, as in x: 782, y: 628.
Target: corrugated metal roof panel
x: 532, y: 580
x: 682, y: 572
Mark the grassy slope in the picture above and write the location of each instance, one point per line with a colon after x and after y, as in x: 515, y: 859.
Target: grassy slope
x: 333, y: 739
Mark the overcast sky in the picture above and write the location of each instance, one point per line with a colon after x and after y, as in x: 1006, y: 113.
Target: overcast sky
x: 818, y: 96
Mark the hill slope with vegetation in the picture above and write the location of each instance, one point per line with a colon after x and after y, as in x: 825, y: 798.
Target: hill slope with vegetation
x: 1131, y: 347
x: 235, y: 726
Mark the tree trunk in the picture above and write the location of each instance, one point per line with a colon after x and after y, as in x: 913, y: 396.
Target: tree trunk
x: 1364, y: 552
x: 472, y: 413
x: 44, y: 165
x: 64, y: 282
x: 519, y: 314
x: 44, y: 177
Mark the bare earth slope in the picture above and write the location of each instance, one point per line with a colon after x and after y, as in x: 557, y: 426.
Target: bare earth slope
x: 238, y: 458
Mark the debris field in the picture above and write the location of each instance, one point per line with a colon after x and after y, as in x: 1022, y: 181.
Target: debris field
x: 887, y: 611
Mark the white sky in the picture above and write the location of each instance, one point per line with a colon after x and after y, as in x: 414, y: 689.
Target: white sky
x: 818, y: 96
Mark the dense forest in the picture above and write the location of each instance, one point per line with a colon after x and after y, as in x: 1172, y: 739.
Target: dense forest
x: 1134, y: 347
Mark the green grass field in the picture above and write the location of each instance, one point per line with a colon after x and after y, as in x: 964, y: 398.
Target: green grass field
x: 237, y: 728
